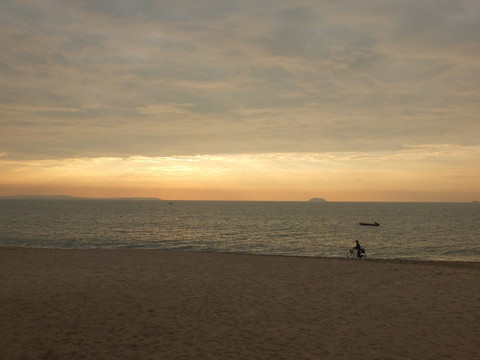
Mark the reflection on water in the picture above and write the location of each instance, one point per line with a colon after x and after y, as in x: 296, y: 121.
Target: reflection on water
x: 431, y: 231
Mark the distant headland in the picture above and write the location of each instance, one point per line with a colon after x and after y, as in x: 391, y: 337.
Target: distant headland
x: 317, y: 200
x: 68, y: 197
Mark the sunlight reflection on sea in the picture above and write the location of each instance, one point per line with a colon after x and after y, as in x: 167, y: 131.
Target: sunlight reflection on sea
x: 421, y: 231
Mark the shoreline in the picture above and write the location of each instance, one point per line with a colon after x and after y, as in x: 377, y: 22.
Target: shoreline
x: 369, y: 259
x: 150, y: 304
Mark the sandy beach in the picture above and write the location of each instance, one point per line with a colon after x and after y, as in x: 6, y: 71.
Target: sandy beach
x: 156, y: 304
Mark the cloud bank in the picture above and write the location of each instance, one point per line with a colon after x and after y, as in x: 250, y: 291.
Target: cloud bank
x: 161, y: 78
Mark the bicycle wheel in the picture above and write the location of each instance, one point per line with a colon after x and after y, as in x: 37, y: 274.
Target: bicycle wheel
x: 350, y: 255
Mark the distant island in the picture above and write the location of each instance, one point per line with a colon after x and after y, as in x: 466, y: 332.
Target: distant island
x: 317, y: 200
x: 67, y: 197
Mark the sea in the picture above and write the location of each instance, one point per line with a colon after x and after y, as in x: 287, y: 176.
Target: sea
x: 410, y: 231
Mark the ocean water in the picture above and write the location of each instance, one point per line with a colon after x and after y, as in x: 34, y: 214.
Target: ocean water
x: 419, y: 231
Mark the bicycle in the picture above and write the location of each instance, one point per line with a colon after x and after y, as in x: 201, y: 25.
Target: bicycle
x: 352, y: 253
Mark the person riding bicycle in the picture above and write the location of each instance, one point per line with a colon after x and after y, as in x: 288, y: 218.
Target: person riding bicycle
x: 359, y: 249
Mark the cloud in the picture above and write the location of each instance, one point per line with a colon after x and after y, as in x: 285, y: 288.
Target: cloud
x: 161, y: 78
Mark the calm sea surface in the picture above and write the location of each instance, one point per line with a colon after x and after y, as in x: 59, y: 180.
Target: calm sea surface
x: 422, y: 231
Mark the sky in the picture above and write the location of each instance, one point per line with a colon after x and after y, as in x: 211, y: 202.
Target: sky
x: 241, y: 100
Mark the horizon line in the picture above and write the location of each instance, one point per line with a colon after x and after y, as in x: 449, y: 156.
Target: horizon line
x: 153, y: 198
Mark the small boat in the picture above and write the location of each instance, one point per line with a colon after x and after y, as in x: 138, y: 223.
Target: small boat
x: 369, y: 224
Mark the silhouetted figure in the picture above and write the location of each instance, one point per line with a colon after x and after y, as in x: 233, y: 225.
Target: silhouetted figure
x: 359, y: 249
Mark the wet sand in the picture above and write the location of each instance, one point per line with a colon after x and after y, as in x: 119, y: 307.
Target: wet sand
x: 157, y: 304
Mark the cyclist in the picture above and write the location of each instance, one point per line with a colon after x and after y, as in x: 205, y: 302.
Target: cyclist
x: 359, y: 249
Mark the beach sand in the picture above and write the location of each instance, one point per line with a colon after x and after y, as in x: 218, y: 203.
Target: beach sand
x: 158, y: 304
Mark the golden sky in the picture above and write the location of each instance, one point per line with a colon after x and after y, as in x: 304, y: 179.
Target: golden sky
x: 241, y: 100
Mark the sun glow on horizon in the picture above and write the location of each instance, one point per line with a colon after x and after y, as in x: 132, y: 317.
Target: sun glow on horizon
x: 415, y: 173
